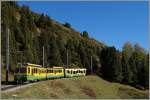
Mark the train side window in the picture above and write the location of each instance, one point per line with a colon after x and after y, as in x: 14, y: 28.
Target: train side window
x: 28, y: 70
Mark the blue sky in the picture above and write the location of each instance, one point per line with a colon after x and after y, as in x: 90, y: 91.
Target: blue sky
x: 113, y: 23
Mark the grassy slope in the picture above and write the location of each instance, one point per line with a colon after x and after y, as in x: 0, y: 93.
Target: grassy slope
x: 79, y: 87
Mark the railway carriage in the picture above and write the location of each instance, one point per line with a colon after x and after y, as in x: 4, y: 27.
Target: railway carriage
x: 74, y: 72
x: 55, y: 72
x: 29, y: 72
x: 36, y: 72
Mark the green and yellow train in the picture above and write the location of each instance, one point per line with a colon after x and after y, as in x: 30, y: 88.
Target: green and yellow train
x: 32, y: 72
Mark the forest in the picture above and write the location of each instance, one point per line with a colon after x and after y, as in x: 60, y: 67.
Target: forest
x: 30, y: 32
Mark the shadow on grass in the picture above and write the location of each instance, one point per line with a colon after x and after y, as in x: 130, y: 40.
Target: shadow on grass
x: 131, y: 94
x: 8, y: 83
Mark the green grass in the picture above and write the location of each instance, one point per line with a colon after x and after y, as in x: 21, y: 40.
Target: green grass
x: 80, y: 87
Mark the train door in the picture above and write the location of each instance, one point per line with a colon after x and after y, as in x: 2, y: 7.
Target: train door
x: 32, y: 72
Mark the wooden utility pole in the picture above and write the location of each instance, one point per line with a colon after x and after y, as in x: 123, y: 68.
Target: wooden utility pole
x: 91, y: 66
x: 67, y: 58
x: 7, y: 54
x: 43, y: 56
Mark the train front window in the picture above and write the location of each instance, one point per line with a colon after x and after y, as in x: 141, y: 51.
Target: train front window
x: 20, y: 70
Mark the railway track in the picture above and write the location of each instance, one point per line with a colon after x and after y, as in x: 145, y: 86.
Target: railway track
x: 9, y: 88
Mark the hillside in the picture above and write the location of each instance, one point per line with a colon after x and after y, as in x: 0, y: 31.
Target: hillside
x: 79, y: 87
x: 30, y: 31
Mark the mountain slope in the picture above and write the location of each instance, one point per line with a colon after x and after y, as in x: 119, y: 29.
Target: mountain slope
x: 30, y: 31
x: 79, y: 87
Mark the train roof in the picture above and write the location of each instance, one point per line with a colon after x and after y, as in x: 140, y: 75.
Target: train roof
x: 75, y: 68
x: 55, y: 67
x: 28, y: 64
x: 36, y: 65
x: 66, y: 68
